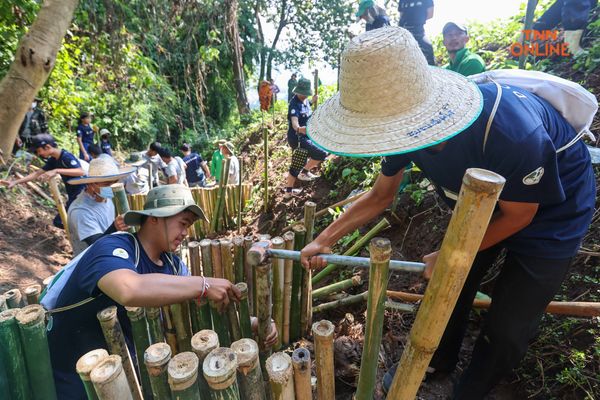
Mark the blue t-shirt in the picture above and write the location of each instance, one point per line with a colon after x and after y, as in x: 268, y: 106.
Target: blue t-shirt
x: 77, y: 331
x: 66, y: 160
x: 106, y: 148
x: 301, y: 110
x: 379, y: 22
x: 521, y: 147
x: 414, y: 14
x: 86, y: 133
x: 193, y: 171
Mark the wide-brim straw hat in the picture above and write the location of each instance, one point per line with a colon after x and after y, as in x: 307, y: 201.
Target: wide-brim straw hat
x: 390, y: 101
x: 102, y: 170
x: 230, y: 147
x: 163, y: 202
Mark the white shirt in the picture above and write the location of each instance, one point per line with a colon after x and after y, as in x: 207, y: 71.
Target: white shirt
x: 88, y: 217
x: 234, y: 171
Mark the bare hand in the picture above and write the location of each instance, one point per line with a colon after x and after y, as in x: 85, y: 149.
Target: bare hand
x: 6, y: 183
x: 48, y: 175
x: 302, y: 130
x: 120, y: 224
x: 309, y: 251
x: 221, y: 291
x: 86, y: 156
x: 315, y: 98
x: 271, y: 339
x: 429, y: 261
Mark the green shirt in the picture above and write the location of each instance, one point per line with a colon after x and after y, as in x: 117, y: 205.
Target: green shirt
x: 215, y: 164
x: 466, y: 63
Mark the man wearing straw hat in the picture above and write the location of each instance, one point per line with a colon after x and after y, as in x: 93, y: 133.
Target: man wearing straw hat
x: 127, y: 270
x: 92, y: 214
x: 445, y: 124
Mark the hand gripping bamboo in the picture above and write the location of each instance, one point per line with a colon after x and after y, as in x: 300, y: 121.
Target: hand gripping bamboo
x: 471, y: 216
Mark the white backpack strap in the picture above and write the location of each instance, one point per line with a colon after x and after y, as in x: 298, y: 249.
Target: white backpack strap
x: 573, y: 141
x: 492, y: 114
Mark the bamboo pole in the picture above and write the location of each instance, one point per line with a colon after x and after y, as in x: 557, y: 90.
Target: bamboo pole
x: 323, y: 337
x: 195, y: 258
x: 346, y: 301
x: 325, y: 291
x: 4, y: 383
x: 84, y: 367
x: 288, y: 238
x: 181, y: 321
x: 264, y: 304
x: 203, y: 343
x: 355, y: 248
x: 249, y: 271
x: 380, y: 250
x: 183, y: 376
x: 11, y: 352
x: 169, y: 329
x: 229, y: 274
x: 199, y: 309
x: 476, y: 202
x: 121, y: 203
x: 111, y: 328
x: 32, y: 329
x: 220, y: 372
x: 266, y: 169
x: 250, y: 379
x: 309, y: 219
x: 36, y: 189
x: 60, y: 206
x: 280, y: 370
x: 219, y: 319
x: 278, y: 275
x: 141, y: 341
x: 240, y: 199
x: 205, y: 250
x: 238, y: 252
x: 156, y: 359
x: 306, y: 295
x: 297, y: 275
x: 110, y: 380
x: 32, y: 293
x: 14, y: 298
x: 302, y: 368
x: 154, y: 325
x: 245, y: 324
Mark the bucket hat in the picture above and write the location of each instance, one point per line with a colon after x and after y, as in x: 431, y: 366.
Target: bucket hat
x: 165, y: 201
x: 303, y: 87
x: 363, y: 6
x: 104, y: 131
x: 102, y: 170
x: 230, y: 147
x: 390, y: 101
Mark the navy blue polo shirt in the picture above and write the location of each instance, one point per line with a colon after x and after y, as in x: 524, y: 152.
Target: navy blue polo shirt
x: 86, y: 133
x: 75, y: 332
x: 193, y: 172
x: 66, y: 160
x: 414, y: 15
x: 379, y: 22
x: 106, y: 147
x: 521, y: 147
x: 301, y: 110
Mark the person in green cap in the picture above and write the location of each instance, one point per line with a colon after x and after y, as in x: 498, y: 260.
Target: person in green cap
x: 215, y: 162
x: 121, y: 269
x: 299, y: 112
x: 461, y: 59
x: 374, y: 16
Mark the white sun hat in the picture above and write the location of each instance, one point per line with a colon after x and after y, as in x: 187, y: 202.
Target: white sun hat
x: 390, y: 101
x: 102, y: 170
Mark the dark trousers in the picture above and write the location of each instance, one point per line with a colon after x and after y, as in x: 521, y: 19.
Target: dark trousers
x: 426, y: 48
x: 573, y: 14
x: 522, y: 291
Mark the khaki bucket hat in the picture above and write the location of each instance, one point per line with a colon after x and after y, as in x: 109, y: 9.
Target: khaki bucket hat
x: 102, y: 169
x: 165, y: 201
x: 390, y: 101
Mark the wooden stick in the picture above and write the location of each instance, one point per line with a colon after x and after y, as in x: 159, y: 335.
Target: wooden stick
x: 355, y: 248
x: 11, y: 352
x: 280, y: 370
x: 110, y: 380
x: 302, y: 370
x: 245, y: 324
x: 570, y: 308
x: 288, y: 238
x: 113, y: 334
x: 297, y: 275
x: 183, y: 376
x: 220, y: 371
x: 346, y: 301
x: 60, y: 206
x: 323, y: 337
x: 250, y: 379
x: 264, y: 304
x: 32, y: 328
x: 156, y: 359
x: 476, y: 202
x: 380, y: 251
x: 154, y: 325
x: 325, y: 291
x: 203, y: 343
x: 141, y: 340
x: 84, y: 367
x: 38, y: 190
x: 32, y: 293
x: 278, y: 272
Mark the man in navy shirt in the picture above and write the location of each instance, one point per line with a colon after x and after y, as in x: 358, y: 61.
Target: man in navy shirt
x: 197, y: 171
x: 543, y: 212
x: 85, y: 135
x: 128, y: 270
x: 58, y: 162
x: 413, y: 15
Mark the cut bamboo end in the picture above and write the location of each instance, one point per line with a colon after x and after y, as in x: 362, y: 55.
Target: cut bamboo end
x: 107, y: 314
x: 32, y: 293
x: 323, y: 337
x: 220, y: 368
x: 204, y: 342
x: 302, y: 373
x: 135, y: 313
x: 47, y: 281
x: 88, y: 362
x: 280, y: 371
x: 13, y: 297
x: 246, y: 351
x: 8, y: 315
x: 183, y: 371
x: 157, y: 355
x: 243, y: 288
x: 31, y: 315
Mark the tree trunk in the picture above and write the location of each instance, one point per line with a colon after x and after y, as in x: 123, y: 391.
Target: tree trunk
x: 261, y: 40
x: 282, y: 24
x: 238, y: 61
x: 34, y: 60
